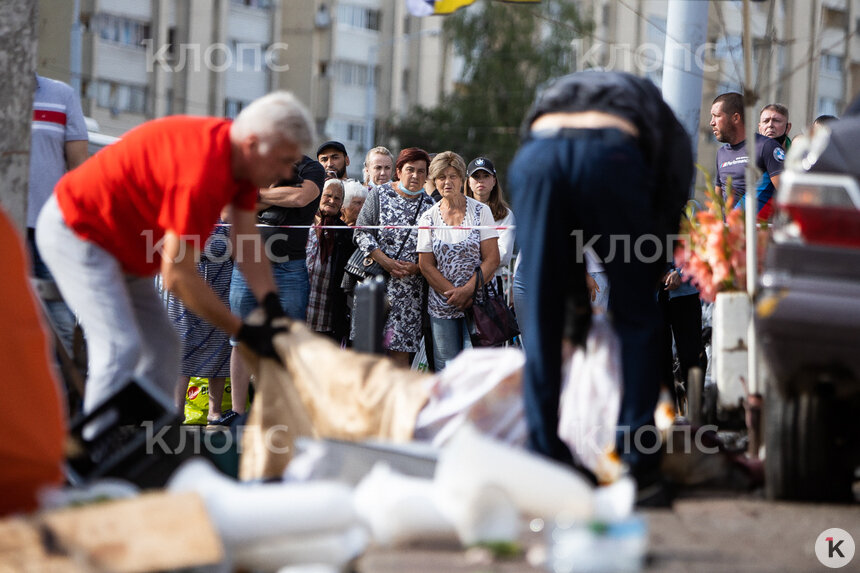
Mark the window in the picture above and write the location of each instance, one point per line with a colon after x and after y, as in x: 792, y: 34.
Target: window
x: 355, y: 132
x: 121, y: 30
x: 359, y: 17
x: 828, y: 106
x: 831, y: 63
x: 232, y: 107
x: 247, y: 55
x: 118, y: 97
x: 354, y: 74
x: 264, y: 4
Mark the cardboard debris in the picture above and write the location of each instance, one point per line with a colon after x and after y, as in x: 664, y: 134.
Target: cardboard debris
x: 152, y: 532
x: 323, y: 391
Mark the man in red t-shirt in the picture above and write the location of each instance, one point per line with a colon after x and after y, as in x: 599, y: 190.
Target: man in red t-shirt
x: 147, y: 204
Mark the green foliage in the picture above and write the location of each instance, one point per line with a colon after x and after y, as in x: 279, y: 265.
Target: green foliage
x: 509, y: 50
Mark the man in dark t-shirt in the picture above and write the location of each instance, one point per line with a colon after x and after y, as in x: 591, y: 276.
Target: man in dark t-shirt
x: 292, y: 202
x: 727, y: 123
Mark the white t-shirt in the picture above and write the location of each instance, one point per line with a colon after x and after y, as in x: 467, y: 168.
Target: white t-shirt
x: 433, y: 218
x: 506, y: 239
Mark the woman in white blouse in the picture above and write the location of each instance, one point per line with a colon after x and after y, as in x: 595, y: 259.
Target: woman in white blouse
x: 483, y: 185
x: 448, y: 257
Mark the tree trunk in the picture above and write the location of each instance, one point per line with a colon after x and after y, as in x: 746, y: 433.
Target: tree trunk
x: 18, y: 62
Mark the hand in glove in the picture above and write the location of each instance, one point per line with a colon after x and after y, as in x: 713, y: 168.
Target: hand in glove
x: 273, y: 308
x: 259, y: 338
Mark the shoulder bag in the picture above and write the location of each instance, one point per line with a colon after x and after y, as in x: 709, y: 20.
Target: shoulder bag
x: 362, y: 266
x: 490, y: 320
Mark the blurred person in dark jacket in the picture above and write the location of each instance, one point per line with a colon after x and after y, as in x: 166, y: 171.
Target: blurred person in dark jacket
x: 604, y: 163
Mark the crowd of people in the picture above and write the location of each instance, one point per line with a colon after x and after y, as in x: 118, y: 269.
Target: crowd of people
x: 431, y: 274
x: 586, y: 138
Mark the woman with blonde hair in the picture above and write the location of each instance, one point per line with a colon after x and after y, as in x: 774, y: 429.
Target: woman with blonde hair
x: 448, y: 258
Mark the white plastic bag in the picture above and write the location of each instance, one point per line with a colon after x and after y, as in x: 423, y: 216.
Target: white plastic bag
x: 420, y: 363
x: 591, y: 400
x: 482, y: 386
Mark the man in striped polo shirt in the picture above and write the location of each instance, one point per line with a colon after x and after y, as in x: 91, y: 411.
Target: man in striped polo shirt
x: 58, y: 143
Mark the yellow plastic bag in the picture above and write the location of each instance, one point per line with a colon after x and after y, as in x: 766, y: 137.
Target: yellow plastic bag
x: 197, y: 400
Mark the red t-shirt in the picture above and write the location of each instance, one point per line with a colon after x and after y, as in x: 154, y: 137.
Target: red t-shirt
x: 168, y: 174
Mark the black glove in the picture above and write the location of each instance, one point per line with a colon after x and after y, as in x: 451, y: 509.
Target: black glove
x: 273, y: 308
x: 259, y: 338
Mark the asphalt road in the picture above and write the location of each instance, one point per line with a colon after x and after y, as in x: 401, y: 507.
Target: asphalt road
x: 706, y: 531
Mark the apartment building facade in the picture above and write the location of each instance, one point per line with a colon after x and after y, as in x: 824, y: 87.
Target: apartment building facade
x: 806, y: 54
x: 355, y: 63
x: 360, y: 63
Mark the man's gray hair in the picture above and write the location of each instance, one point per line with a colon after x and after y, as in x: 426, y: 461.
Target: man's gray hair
x: 351, y: 190
x: 278, y: 116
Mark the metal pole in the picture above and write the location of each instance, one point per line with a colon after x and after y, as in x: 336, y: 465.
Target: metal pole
x: 75, y: 50
x: 686, y: 32
x: 370, y: 121
x: 751, y: 207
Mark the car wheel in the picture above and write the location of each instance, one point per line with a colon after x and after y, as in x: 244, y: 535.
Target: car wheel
x: 803, y: 461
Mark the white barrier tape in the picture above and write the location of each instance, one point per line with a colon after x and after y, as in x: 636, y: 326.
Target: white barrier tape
x: 380, y: 227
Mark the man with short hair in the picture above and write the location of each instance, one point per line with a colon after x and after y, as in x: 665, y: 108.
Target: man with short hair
x: 333, y: 157
x: 727, y: 123
x: 58, y: 143
x: 773, y: 123
x: 147, y: 204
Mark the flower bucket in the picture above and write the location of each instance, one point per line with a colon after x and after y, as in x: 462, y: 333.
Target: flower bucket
x: 732, y: 315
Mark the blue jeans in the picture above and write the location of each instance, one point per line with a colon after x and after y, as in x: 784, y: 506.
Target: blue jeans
x: 291, y: 278
x: 595, y: 182
x: 520, y: 304
x: 450, y: 337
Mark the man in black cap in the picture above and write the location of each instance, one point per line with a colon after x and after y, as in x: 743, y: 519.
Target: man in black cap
x: 604, y: 163
x: 333, y: 157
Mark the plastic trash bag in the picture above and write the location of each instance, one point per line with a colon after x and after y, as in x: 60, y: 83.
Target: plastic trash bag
x: 420, y: 363
x: 591, y: 400
x: 197, y: 400
x: 482, y: 386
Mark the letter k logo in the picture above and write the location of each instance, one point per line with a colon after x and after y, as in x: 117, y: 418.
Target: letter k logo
x: 831, y: 548
x: 834, y: 548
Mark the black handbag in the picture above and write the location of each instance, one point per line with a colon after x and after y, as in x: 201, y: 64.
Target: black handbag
x: 361, y: 266
x: 490, y: 320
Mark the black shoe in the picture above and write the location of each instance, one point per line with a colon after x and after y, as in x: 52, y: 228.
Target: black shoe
x: 227, y: 418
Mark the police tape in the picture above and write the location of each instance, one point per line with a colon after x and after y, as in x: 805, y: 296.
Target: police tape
x: 383, y: 227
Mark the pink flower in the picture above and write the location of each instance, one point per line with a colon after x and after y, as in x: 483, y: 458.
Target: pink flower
x: 714, y: 250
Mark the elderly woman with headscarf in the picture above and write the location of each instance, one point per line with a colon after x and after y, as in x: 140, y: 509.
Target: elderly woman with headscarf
x: 400, y: 204
x: 326, y: 254
x: 449, y: 257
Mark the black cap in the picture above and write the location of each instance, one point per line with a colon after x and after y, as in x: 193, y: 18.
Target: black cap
x: 480, y: 163
x: 332, y: 145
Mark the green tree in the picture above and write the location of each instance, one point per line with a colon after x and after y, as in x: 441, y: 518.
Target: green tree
x: 508, y: 51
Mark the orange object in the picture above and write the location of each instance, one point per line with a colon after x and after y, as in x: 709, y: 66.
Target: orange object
x: 33, y: 423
